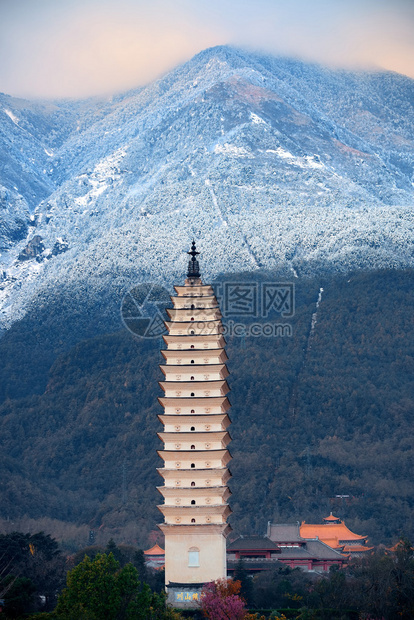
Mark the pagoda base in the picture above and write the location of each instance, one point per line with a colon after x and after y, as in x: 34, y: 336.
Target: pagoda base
x: 194, y: 554
x: 184, y: 595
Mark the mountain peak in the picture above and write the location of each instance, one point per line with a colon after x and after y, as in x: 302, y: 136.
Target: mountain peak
x: 291, y: 166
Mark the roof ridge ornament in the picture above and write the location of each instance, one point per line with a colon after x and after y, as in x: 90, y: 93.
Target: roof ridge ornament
x: 193, y: 265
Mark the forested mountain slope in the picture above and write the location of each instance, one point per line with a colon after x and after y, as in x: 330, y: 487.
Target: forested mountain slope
x: 326, y: 412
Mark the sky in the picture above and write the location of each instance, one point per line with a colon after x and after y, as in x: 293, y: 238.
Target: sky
x: 80, y: 48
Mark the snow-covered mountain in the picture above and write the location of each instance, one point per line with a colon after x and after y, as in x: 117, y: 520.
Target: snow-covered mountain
x: 268, y: 162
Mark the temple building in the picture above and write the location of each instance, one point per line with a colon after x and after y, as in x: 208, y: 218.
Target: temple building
x: 155, y: 557
x: 195, y: 439
x: 334, y: 532
x: 283, y: 545
x: 311, y: 547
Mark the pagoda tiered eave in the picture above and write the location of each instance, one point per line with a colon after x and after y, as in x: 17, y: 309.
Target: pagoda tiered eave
x: 199, y: 290
x: 185, y: 405
x: 187, y: 370
x: 222, y: 437
x: 216, y: 419
x: 212, y: 510
x: 186, y: 315
x: 203, y: 342
x: 189, y: 455
x: 199, y: 327
x: 189, y: 492
x: 215, y: 384
x: 185, y: 357
x: 185, y: 303
x: 195, y: 528
x: 222, y: 473
x: 188, y: 389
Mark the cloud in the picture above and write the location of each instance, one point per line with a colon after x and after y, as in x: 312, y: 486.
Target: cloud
x: 79, y: 48
x: 344, y: 33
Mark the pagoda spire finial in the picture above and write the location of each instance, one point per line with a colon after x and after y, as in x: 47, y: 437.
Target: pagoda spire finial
x: 193, y: 266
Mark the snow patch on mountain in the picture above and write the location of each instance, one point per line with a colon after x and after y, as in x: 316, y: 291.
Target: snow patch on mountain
x: 257, y: 119
x: 232, y: 150
x: 12, y: 116
x: 105, y: 173
x: 308, y: 161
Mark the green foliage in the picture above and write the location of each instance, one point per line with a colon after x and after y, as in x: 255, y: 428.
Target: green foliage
x: 126, y: 554
x: 93, y: 589
x: 282, y: 587
x: 99, y: 589
x: 18, y: 595
x: 246, y: 584
x: 382, y: 585
x: 31, y: 565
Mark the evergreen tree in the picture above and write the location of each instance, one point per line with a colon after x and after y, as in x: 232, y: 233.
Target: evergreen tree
x: 100, y: 590
x: 246, y: 589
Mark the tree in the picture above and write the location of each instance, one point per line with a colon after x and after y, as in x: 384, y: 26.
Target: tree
x: 18, y: 596
x: 94, y: 589
x: 404, y: 578
x: 47, y: 568
x: 99, y: 589
x: 333, y: 592
x: 383, y: 583
x: 281, y: 587
x: 221, y: 601
x: 31, y: 566
x: 126, y: 554
x: 246, y: 588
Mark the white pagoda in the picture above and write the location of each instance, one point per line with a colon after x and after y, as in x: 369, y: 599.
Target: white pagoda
x: 195, y: 439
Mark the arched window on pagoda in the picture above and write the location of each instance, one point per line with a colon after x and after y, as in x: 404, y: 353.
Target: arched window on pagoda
x: 193, y: 554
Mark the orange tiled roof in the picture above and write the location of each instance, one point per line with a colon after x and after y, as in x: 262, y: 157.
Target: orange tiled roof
x: 155, y: 550
x: 331, y: 518
x: 395, y: 547
x: 356, y: 548
x: 160, y: 567
x: 331, y: 542
x: 333, y: 534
